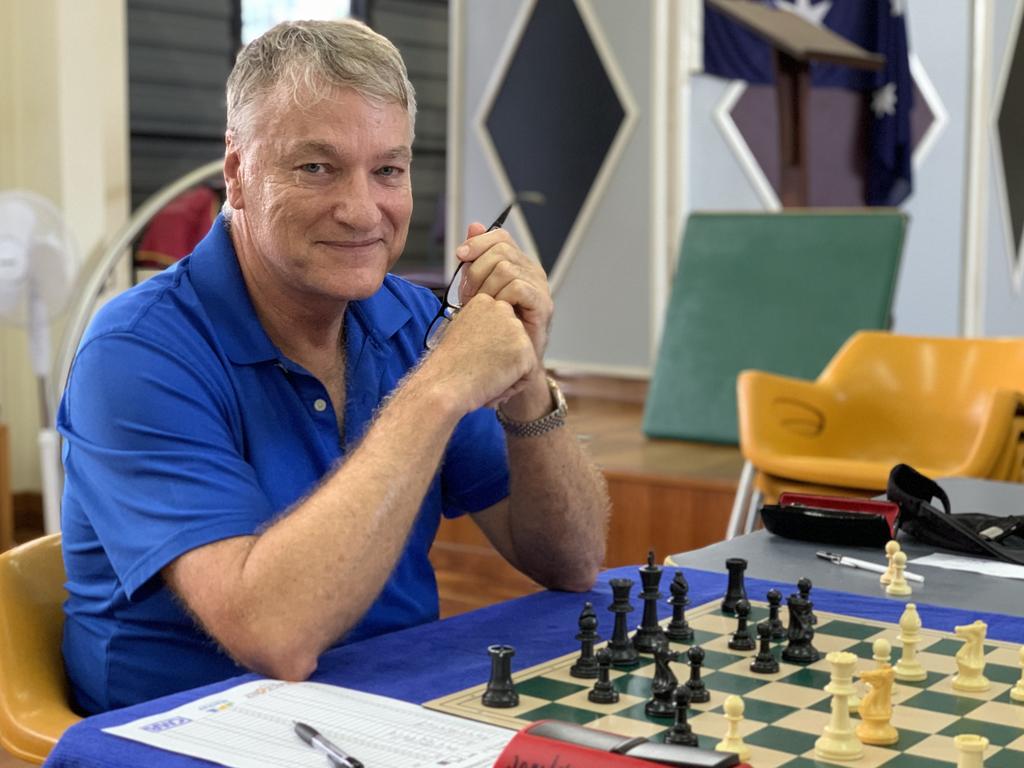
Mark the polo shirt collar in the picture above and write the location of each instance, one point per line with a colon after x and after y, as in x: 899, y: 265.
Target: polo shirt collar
x: 220, y: 286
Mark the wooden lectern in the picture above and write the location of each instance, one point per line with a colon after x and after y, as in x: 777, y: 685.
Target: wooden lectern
x: 795, y: 42
x: 6, y: 502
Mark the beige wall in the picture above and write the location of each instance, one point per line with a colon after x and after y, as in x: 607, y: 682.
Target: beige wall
x: 64, y: 135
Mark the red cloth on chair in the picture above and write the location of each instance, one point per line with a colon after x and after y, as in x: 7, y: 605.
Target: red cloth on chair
x: 175, y: 230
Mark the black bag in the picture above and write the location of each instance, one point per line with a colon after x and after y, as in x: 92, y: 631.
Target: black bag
x: 975, y: 533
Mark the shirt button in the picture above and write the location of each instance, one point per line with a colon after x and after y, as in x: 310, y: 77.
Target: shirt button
x: 320, y: 405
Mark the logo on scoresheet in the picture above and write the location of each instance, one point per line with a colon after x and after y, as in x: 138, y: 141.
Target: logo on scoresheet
x: 165, y: 725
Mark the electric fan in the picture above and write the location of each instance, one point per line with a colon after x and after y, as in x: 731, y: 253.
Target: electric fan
x: 38, y: 264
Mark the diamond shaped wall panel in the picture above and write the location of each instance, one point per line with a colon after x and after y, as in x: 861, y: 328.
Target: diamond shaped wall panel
x: 553, y: 120
x: 1011, y: 131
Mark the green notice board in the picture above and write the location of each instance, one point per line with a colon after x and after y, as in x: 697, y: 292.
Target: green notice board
x: 778, y: 292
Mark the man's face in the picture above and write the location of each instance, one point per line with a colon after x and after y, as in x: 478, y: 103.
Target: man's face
x: 324, y: 192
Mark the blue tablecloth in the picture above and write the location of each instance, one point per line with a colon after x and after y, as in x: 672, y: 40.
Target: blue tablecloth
x: 435, y: 659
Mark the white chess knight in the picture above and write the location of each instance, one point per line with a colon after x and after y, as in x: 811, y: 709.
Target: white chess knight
x: 909, y: 668
x: 970, y: 659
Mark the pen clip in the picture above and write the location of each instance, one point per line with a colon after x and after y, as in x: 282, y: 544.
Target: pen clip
x: 830, y: 556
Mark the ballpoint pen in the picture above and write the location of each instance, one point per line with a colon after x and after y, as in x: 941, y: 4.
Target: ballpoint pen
x: 864, y: 565
x: 336, y: 756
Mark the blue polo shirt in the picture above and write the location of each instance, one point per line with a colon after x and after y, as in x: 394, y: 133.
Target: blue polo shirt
x: 183, y: 424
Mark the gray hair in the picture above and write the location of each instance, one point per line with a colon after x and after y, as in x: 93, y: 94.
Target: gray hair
x: 312, y: 57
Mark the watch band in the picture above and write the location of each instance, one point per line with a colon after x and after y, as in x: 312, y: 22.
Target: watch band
x: 544, y: 424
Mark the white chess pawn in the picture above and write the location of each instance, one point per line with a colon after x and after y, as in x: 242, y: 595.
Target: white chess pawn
x: 971, y: 749
x: 733, y: 742
x: 898, y: 586
x: 909, y: 668
x: 881, y: 652
x: 891, y: 548
x: 1017, y: 692
x: 839, y: 741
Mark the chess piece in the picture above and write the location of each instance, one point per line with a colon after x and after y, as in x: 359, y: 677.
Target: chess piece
x: 803, y: 586
x: 909, y: 668
x: 741, y: 639
x: 619, y: 646
x: 839, y: 742
x: 971, y: 749
x: 876, y: 709
x: 891, y: 548
x: 681, y: 733
x: 774, y: 601
x: 765, y: 662
x: 586, y: 665
x: 699, y: 693
x: 500, y: 691
x: 679, y: 630
x: 1017, y: 692
x: 649, y: 635
x: 736, y: 590
x: 603, y: 691
x: 970, y: 659
x: 733, y: 742
x: 800, y: 633
x: 663, y: 685
x: 899, y: 585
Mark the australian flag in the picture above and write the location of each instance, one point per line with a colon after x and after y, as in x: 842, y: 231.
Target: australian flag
x: 732, y: 51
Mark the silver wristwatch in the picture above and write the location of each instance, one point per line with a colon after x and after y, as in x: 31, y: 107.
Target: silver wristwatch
x: 544, y: 424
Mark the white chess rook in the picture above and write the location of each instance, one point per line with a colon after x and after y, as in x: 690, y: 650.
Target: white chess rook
x: 971, y: 750
x: 839, y: 741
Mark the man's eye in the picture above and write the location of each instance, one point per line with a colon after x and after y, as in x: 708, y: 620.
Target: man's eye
x: 390, y: 170
x: 316, y: 168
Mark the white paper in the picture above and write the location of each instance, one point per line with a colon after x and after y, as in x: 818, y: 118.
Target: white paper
x: 252, y: 726
x: 972, y: 564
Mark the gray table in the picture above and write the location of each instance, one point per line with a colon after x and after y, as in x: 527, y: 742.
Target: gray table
x: 776, y: 558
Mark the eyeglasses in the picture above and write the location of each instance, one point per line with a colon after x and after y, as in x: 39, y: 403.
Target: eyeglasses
x: 451, y: 302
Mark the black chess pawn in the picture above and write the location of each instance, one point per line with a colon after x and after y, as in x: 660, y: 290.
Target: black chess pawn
x: 603, y: 692
x: 679, y: 630
x: 804, y: 587
x: 586, y: 665
x: 736, y: 590
x: 649, y: 635
x: 663, y: 684
x: 699, y: 693
x: 681, y: 733
x: 777, y: 627
x: 764, y: 663
x: 619, y: 646
x: 741, y: 639
x: 800, y: 633
x: 500, y: 691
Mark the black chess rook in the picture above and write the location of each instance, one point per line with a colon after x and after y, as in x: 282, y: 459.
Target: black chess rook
x: 736, y: 590
x: 500, y: 691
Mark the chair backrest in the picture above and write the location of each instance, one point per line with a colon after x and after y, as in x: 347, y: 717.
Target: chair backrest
x: 34, y: 709
x: 778, y: 292
x: 938, y: 389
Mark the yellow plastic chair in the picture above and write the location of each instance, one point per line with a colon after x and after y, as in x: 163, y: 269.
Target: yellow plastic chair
x: 946, y: 406
x: 34, y: 709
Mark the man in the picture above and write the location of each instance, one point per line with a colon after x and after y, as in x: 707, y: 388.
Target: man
x: 257, y: 449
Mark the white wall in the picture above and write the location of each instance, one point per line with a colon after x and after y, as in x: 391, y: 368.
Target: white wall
x: 63, y: 134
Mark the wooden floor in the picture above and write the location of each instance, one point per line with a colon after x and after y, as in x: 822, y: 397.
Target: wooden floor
x: 666, y: 495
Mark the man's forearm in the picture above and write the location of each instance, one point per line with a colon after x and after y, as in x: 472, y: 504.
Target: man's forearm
x: 558, y: 516
x: 290, y: 592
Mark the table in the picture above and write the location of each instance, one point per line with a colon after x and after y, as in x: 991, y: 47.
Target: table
x: 771, y: 556
x: 442, y: 657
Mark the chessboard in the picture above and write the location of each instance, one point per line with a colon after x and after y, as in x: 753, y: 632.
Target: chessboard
x: 785, y: 712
